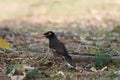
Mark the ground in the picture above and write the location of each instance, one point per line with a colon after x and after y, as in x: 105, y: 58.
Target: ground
x: 91, y: 33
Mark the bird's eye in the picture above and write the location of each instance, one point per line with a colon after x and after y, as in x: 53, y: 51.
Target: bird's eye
x: 49, y: 34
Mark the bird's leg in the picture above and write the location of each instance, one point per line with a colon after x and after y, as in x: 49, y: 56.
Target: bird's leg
x: 57, y: 58
x: 63, y: 61
x: 54, y: 59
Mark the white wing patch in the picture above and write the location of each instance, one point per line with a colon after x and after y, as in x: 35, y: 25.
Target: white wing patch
x: 54, y: 50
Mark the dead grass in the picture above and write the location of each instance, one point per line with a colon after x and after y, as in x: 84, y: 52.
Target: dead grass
x: 57, y: 10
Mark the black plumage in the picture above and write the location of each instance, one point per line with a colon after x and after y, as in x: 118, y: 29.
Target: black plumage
x: 57, y: 46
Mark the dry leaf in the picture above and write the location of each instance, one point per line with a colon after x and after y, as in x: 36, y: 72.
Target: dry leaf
x: 93, y: 69
x: 103, y: 68
x: 4, y: 44
x: 60, y: 72
x: 17, y: 74
x: 28, y: 67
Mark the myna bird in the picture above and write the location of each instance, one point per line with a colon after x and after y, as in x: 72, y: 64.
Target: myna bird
x: 58, y: 47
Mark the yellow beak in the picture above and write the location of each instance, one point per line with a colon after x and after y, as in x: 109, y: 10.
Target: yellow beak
x: 42, y: 36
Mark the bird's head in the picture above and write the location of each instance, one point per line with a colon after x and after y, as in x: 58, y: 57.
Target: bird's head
x: 50, y: 35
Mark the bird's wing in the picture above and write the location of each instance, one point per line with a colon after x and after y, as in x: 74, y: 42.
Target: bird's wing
x: 59, y: 47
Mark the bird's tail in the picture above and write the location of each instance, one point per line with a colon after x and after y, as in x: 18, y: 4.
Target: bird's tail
x: 69, y: 59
